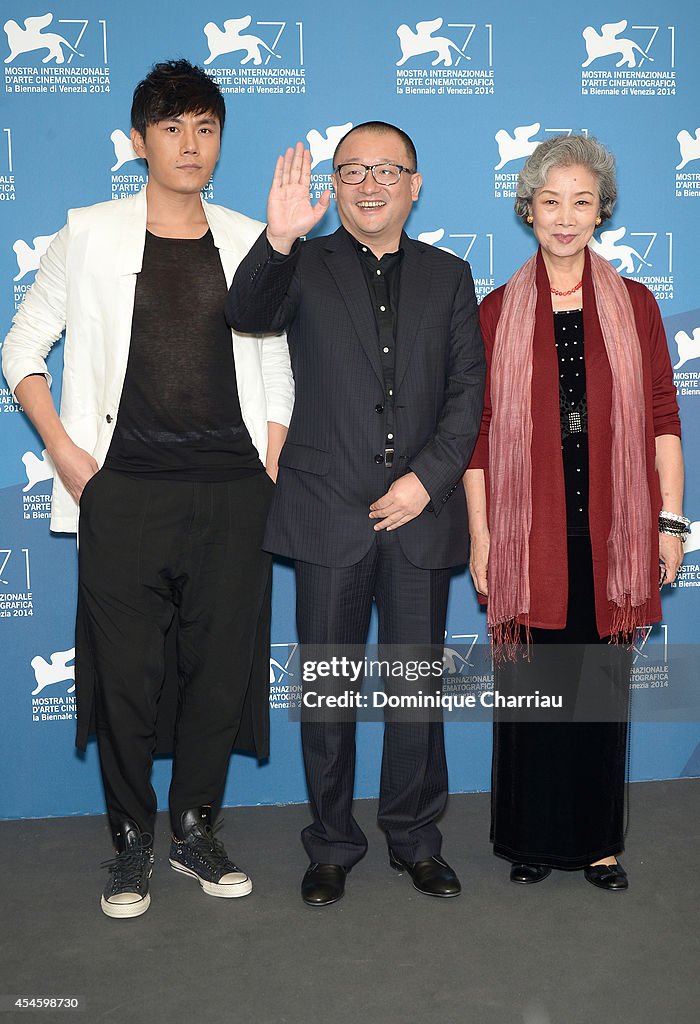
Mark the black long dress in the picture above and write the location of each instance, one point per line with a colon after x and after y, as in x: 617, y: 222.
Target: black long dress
x: 558, y: 785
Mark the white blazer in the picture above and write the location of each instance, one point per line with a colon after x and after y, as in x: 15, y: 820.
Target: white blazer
x: 86, y: 284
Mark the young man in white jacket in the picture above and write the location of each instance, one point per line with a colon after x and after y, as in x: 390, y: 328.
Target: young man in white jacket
x: 168, y: 438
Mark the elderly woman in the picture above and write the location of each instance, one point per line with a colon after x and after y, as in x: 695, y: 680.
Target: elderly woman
x: 575, y: 513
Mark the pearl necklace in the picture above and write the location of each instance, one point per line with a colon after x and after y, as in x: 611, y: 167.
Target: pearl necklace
x: 571, y: 291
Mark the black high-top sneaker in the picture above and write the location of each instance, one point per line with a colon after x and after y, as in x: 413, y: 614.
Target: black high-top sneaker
x: 126, y: 891
x: 197, y: 852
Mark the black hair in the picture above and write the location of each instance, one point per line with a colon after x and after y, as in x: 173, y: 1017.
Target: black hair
x: 173, y: 88
x: 380, y: 127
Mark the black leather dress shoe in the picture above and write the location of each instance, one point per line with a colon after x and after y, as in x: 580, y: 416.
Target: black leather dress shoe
x: 323, y: 884
x: 527, y: 874
x: 433, y: 876
x: 611, y: 877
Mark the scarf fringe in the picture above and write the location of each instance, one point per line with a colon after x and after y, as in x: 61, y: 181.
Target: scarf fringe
x: 509, y: 639
x: 626, y: 619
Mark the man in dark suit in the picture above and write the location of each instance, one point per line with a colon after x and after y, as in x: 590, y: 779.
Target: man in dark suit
x: 389, y: 367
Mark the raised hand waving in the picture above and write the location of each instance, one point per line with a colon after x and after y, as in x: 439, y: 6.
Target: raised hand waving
x: 290, y: 212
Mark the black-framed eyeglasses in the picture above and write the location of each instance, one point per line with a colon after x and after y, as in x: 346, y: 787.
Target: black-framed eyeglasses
x: 383, y: 174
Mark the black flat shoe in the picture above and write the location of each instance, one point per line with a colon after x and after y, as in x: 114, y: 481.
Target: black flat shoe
x: 323, y: 884
x: 528, y: 874
x: 611, y: 877
x: 433, y: 876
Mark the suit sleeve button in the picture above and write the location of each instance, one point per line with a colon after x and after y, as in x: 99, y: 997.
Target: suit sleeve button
x: 378, y: 459
x: 379, y: 408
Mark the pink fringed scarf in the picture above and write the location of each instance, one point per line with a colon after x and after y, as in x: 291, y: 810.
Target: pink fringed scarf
x: 510, y: 465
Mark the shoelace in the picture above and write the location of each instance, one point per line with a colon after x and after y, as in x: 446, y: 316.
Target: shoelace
x: 204, y: 840
x: 127, y: 867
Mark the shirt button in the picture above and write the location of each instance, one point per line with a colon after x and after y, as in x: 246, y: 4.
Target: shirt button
x: 378, y: 459
x: 379, y: 273
x: 390, y: 437
x: 391, y: 391
x: 364, y: 248
x: 385, y: 349
x: 379, y: 408
x: 108, y: 418
x: 382, y: 309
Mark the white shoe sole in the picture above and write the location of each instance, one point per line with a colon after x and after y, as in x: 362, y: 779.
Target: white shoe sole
x: 215, y: 888
x: 126, y: 909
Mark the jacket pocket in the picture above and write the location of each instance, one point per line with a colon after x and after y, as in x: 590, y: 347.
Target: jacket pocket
x: 305, y: 458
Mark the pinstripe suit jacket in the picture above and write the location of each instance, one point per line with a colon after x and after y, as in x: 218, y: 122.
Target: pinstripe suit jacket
x: 328, y: 470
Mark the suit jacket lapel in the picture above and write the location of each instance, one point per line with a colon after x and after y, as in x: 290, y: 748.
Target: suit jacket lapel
x: 344, y: 265
x: 132, y: 235
x: 128, y: 263
x: 227, y: 240
x: 413, y: 293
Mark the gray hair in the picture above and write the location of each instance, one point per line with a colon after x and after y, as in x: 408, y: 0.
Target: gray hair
x: 565, y: 151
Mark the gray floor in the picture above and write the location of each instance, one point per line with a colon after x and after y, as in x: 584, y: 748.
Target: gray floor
x: 561, y: 952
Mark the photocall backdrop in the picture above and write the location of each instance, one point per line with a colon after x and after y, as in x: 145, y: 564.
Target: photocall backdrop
x: 477, y: 85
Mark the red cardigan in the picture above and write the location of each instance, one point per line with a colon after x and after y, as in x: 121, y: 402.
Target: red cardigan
x: 548, y: 554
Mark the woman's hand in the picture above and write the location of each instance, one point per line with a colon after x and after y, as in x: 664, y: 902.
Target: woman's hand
x: 671, y: 554
x: 669, y: 466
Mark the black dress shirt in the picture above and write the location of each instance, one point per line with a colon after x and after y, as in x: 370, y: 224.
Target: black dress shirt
x: 383, y: 279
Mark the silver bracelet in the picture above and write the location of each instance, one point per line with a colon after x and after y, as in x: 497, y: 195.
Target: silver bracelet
x: 673, y: 516
x: 674, y: 525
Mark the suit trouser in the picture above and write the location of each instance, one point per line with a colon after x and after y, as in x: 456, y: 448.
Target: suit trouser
x: 154, y: 551
x: 333, y: 609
